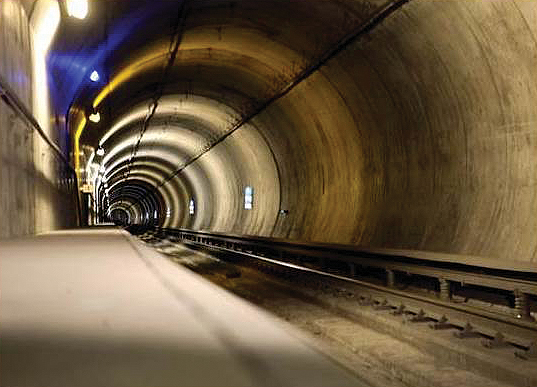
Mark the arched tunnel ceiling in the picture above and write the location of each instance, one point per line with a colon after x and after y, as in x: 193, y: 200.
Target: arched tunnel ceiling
x: 404, y: 124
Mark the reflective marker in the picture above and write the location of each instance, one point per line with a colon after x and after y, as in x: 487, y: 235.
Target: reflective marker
x: 248, y: 197
x: 191, y: 207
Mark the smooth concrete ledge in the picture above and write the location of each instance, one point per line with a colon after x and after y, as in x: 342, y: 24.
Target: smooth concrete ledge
x: 96, y: 307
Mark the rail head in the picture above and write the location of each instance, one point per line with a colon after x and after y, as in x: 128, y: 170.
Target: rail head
x: 449, y: 258
x: 410, y: 262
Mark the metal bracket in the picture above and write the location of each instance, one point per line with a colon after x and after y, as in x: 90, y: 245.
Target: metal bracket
x: 467, y: 331
x: 366, y: 301
x: 384, y: 305
x: 497, y: 342
x: 441, y: 324
x: 420, y: 317
x: 400, y: 310
x: 529, y: 354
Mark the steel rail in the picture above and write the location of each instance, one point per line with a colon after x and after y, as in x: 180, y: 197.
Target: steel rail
x: 469, y: 320
x: 521, y: 332
x: 408, y: 262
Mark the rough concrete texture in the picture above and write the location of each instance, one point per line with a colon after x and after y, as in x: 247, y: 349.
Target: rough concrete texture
x: 419, y: 135
x: 36, y: 193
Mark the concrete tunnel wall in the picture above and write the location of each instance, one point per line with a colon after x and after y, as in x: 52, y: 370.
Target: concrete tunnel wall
x: 421, y: 136
x: 36, y: 188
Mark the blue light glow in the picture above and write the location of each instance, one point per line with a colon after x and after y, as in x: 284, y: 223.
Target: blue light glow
x: 75, y: 65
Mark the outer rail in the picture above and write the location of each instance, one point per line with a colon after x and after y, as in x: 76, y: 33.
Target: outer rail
x: 411, y: 262
x: 518, y: 329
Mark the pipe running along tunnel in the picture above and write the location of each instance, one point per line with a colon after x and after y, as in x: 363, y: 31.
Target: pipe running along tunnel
x: 393, y: 124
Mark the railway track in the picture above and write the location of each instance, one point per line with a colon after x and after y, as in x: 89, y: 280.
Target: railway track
x: 445, y: 297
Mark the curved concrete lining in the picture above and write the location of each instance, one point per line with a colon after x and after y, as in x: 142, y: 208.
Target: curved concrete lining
x: 420, y: 134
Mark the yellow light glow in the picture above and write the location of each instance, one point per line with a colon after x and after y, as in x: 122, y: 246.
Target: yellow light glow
x: 77, y: 8
x: 145, y: 62
x: 78, y: 133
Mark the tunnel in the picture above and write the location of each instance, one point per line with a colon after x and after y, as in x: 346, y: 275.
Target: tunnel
x: 407, y: 125
x: 402, y: 124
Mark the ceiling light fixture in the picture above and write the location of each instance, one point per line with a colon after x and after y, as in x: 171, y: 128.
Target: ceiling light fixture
x: 77, y: 8
x: 94, y: 76
x: 95, y: 117
x: 100, y: 152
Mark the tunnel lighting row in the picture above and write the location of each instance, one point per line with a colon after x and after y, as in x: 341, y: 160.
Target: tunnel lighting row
x: 79, y: 9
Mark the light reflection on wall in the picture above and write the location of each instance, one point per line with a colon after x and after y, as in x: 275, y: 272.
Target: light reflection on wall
x: 237, y: 40
x: 171, y: 143
x: 207, y: 112
x: 184, y: 126
x: 76, y: 66
x: 154, y: 144
x: 44, y: 23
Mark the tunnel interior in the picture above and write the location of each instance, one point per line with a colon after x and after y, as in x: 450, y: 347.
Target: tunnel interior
x: 393, y: 124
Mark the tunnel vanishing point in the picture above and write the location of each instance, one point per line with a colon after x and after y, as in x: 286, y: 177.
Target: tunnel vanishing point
x: 388, y: 124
